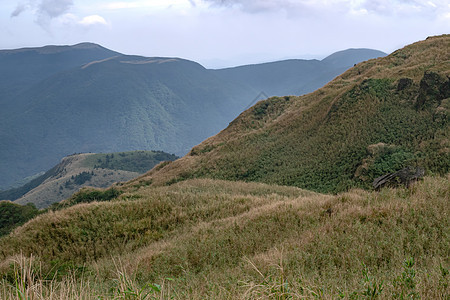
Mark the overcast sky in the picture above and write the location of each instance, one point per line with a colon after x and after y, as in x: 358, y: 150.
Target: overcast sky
x: 220, y: 33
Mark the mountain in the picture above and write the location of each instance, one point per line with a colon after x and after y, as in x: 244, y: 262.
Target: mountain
x: 120, y: 104
x: 348, y: 58
x: 296, y: 76
x: 170, y: 235
x: 21, y: 68
x: 85, y: 98
x: 81, y: 170
x: 376, y: 118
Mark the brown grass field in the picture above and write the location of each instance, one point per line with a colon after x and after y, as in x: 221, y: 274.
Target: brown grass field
x: 206, y: 239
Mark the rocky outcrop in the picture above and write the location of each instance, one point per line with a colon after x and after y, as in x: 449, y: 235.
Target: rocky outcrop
x: 432, y: 90
x: 405, y: 177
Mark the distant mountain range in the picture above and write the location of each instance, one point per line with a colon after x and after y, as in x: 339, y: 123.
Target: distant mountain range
x: 58, y: 100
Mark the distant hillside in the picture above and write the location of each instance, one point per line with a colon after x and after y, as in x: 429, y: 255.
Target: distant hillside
x: 296, y: 76
x: 22, y: 68
x: 377, y: 117
x: 80, y: 170
x: 85, y: 98
x: 347, y: 58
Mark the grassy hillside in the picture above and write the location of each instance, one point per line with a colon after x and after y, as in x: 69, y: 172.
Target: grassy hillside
x: 204, y: 239
x: 171, y: 235
x: 377, y: 117
x: 96, y: 171
x: 79, y: 170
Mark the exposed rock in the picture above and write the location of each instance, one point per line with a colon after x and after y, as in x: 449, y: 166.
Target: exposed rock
x: 403, y: 177
x: 404, y: 83
x: 432, y: 90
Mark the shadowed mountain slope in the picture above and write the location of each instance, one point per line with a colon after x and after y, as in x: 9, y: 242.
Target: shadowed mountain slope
x: 297, y: 76
x: 85, y: 98
x: 120, y: 104
x: 375, y: 118
x: 21, y: 68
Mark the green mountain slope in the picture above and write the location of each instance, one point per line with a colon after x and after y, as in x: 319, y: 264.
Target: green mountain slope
x: 375, y: 118
x: 164, y: 235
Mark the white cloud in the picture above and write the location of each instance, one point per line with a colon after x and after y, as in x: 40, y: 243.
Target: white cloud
x: 93, y: 20
x: 431, y: 4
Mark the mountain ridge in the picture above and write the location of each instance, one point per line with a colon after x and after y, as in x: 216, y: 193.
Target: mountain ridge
x: 116, y: 102
x: 51, y: 49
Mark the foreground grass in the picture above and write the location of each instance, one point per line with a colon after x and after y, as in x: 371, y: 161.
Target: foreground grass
x: 205, y: 239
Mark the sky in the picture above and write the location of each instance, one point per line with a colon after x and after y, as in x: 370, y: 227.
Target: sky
x: 223, y: 33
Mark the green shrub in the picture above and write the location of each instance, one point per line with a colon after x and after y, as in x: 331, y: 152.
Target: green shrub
x: 13, y: 215
x: 88, y: 195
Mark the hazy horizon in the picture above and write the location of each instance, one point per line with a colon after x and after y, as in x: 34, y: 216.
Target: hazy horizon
x: 223, y: 33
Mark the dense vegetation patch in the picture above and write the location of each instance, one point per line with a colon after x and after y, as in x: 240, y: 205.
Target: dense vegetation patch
x: 134, y: 161
x: 13, y: 215
x: 88, y: 195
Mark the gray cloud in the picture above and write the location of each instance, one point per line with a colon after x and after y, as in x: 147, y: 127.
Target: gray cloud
x: 255, y: 6
x: 45, y: 9
x: 54, y: 8
x: 19, y: 9
x: 305, y: 7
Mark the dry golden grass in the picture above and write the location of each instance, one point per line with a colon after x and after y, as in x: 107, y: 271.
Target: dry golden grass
x: 235, y: 240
